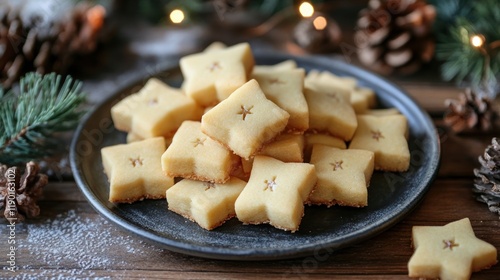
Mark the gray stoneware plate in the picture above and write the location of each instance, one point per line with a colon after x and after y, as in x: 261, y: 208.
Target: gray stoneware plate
x: 391, y: 195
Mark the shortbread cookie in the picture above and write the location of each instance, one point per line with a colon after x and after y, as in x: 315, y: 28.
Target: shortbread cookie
x: 343, y: 176
x: 363, y: 99
x: 212, y: 76
x: 285, y: 65
x: 196, y: 156
x: 134, y: 171
x: 385, y: 136
x: 132, y: 137
x: 275, y: 193
x: 331, y: 112
x: 245, y: 121
x: 323, y: 139
x: 286, y: 147
x: 207, y: 204
x: 215, y: 46
x: 285, y: 88
x: 315, y: 78
x: 450, y: 252
x: 382, y: 112
x: 156, y: 110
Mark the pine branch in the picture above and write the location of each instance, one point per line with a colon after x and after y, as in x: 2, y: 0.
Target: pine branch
x: 461, y: 60
x: 44, y: 106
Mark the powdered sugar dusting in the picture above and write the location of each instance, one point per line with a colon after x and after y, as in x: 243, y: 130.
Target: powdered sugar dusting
x: 80, y: 243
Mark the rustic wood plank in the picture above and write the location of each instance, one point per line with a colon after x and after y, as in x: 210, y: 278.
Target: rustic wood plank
x: 389, y: 252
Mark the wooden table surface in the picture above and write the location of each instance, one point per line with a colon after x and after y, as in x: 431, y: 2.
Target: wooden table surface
x: 71, y: 240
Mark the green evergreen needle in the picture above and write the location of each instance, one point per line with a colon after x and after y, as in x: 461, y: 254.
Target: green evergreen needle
x: 45, y: 105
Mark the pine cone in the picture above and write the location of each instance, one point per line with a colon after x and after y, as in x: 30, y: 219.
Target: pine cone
x: 394, y: 35
x: 487, y: 183
x: 469, y: 111
x: 19, y: 193
x: 28, y: 45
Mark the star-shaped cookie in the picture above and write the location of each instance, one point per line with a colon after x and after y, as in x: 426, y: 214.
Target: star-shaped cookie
x: 386, y: 137
x: 245, y: 121
x: 212, y: 76
x: 208, y: 204
x: 275, y: 193
x: 196, y: 156
x: 449, y: 252
x: 156, y: 110
x: 134, y: 170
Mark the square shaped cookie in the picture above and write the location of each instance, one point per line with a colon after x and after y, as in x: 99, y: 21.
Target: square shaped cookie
x: 212, y: 76
x: 343, y: 176
x: 386, y: 137
x: 245, y: 121
x: 207, y: 204
x: 156, y: 110
x: 275, y: 193
x: 134, y: 171
x: 196, y: 156
x: 331, y: 112
x: 285, y: 89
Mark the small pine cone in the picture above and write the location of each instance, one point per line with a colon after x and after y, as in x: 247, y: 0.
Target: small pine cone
x: 395, y: 35
x: 487, y: 182
x: 27, y: 45
x: 469, y: 111
x: 19, y: 193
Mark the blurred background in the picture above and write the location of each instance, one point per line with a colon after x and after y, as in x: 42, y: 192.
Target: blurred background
x: 454, y: 39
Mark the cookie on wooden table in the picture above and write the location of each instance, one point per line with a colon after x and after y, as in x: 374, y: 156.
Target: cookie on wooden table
x: 207, y: 204
x: 212, y: 76
x: 343, y: 176
x: 196, y: 156
x: 156, y: 110
x: 331, y: 112
x: 245, y: 121
x: 285, y: 88
x: 386, y: 137
x: 134, y: 171
x: 449, y: 252
x: 275, y: 193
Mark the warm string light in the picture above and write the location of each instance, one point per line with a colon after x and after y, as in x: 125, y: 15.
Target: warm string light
x: 320, y: 23
x: 477, y: 41
x: 177, y: 16
x: 306, y: 9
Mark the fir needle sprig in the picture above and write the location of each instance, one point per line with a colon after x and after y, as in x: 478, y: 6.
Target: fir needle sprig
x: 31, y: 118
x: 470, y: 45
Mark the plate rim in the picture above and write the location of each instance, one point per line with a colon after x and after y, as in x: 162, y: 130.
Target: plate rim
x: 255, y: 254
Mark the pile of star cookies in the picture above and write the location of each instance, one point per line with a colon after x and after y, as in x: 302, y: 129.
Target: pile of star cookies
x: 251, y: 141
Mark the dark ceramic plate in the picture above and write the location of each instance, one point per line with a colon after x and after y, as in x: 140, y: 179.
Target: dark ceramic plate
x: 391, y: 195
